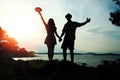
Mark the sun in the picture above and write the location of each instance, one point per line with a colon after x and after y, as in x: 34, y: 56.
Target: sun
x: 24, y: 25
x: 20, y: 20
x: 18, y: 26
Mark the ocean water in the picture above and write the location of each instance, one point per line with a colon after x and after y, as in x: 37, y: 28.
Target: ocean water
x: 89, y: 59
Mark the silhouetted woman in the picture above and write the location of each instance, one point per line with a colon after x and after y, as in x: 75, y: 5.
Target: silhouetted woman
x: 50, y: 40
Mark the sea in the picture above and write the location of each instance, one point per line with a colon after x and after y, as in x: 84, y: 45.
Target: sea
x: 92, y: 60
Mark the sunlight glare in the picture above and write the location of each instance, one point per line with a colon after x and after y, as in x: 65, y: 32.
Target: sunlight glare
x: 18, y: 25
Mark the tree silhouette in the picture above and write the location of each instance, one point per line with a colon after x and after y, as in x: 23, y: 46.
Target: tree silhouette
x: 115, y: 16
x: 9, y: 47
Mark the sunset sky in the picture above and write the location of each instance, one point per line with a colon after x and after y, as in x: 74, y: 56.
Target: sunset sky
x: 19, y: 19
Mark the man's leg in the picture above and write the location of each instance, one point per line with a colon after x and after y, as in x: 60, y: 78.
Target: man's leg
x: 71, y: 51
x: 64, y: 54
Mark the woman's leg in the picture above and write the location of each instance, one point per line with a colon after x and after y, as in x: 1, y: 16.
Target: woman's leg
x: 50, y: 51
x: 72, y: 55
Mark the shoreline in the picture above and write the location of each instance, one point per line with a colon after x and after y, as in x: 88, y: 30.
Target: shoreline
x: 56, y: 70
x: 85, y: 53
x: 89, y: 59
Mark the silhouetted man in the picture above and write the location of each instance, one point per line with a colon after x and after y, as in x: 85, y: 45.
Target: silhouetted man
x: 69, y: 32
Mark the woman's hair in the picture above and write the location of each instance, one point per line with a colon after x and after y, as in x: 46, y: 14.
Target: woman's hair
x: 51, y: 22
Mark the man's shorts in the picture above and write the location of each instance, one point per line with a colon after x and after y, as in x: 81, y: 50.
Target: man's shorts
x: 68, y: 44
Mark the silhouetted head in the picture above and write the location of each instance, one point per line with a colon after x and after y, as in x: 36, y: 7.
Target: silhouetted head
x: 51, y: 22
x: 68, y: 16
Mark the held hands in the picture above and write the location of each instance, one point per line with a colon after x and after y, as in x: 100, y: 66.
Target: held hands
x: 60, y: 39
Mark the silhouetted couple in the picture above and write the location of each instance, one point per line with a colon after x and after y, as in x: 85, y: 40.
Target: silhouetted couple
x: 68, y: 32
